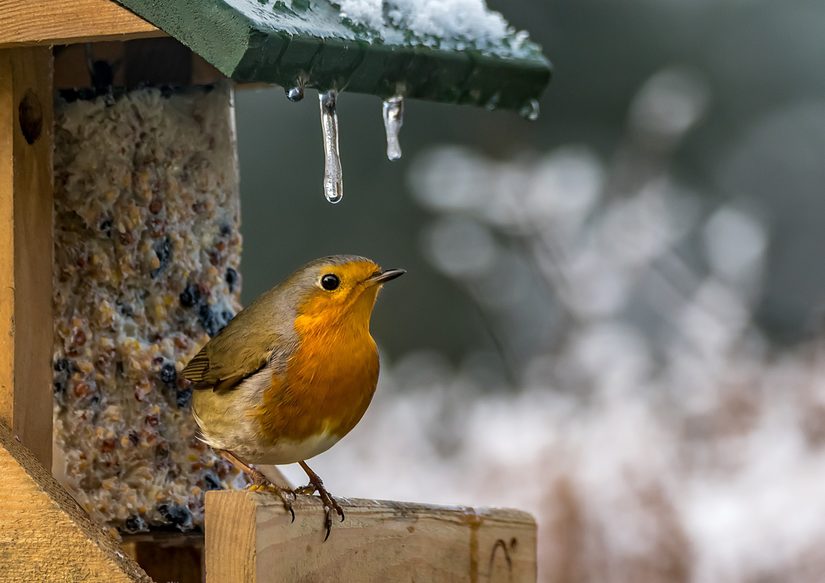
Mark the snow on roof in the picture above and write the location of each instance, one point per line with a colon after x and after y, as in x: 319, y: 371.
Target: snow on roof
x: 455, y: 23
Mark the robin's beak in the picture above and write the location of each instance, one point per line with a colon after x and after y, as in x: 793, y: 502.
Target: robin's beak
x: 385, y: 276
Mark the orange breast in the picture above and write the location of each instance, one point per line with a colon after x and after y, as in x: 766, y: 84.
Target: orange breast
x: 327, y: 386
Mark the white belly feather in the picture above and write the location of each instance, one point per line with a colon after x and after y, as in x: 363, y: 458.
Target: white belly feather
x: 241, y: 438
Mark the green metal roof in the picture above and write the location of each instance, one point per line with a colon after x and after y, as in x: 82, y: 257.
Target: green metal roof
x: 310, y: 42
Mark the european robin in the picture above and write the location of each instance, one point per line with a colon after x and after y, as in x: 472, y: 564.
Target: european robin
x: 293, y: 372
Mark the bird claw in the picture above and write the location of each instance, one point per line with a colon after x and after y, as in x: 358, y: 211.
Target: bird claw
x: 328, y: 516
x: 327, y: 522
x: 330, y: 503
x: 261, y: 483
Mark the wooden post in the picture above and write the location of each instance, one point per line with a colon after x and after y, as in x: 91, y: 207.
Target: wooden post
x: 249, y: 537
x: 26, y: 211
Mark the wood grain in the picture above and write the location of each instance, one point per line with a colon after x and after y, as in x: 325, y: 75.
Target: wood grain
x: 51, y: 22
x: 26, y: 218
x: 249, y: 537
x: 44, y: 535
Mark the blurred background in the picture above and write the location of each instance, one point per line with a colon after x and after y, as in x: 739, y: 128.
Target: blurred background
x: 613, y: 315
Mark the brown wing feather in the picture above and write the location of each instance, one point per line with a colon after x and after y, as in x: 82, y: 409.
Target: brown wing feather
x: 223, y: 363
x: 198, y: 367
x: 257, y: 335
x: 204, y: 376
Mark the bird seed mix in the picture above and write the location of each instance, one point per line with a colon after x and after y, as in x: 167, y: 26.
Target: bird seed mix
x: 147, y: 249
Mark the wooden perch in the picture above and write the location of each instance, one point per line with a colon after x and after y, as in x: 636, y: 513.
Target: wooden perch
x: 44, y: 535
x: 249, y: 537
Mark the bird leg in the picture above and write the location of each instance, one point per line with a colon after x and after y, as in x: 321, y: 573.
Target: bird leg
x: 260, y: 483
x: 317, y: 485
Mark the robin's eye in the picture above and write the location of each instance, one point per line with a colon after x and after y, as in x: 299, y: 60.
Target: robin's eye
x: 330, y: 282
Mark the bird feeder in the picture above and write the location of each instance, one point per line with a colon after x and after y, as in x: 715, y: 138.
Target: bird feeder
x: 119, y: 255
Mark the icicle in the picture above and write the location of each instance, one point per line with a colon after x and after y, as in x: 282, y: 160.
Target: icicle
x: 393, y: 120
x: 333, y: 178
x: 530, y: 110
x: 294, y: 93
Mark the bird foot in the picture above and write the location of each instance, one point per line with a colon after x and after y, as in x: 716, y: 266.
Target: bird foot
x: 330, y: 504
x: 261, y: 483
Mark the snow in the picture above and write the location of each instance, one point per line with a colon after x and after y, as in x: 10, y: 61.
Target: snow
x: 447, y: 23
x: 367, y: 12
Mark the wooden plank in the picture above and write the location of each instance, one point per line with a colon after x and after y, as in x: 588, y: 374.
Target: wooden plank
x: 26, y: 218
x: 230, y: 531
x: 249, y: 537
x: 51, y: 22
x: 44, y: 535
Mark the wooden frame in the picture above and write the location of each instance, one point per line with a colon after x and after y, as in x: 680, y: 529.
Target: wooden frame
x: 53, y: 22
x: 44, y: 534
x: 26, y: 208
